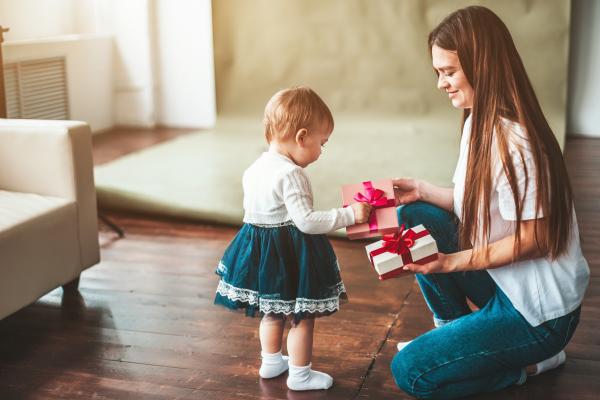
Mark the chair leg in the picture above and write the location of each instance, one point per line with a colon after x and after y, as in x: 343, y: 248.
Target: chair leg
x: 72, y: 286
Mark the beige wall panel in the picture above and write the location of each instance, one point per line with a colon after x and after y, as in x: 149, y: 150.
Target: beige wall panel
x: 368, y: 58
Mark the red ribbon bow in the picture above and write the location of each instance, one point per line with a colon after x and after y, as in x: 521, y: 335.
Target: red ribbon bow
x: 400, y: 243
x: 376, y: 198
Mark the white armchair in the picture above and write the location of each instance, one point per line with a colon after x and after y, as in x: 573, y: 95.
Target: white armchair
x: 48, y: 216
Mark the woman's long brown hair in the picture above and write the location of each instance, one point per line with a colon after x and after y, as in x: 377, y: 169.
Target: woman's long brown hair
x: 494, y: 69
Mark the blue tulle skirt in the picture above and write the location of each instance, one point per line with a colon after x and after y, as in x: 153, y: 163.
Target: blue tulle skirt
x: 281, y: 271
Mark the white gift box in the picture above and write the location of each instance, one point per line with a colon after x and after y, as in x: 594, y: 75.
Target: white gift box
x: 389, y: 264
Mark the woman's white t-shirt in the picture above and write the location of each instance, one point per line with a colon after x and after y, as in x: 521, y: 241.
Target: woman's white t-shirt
x: 540, y: 289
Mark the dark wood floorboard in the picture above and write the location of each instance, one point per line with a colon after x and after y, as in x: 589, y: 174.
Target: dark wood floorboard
x: 115, y: 143
x: 144, y: 327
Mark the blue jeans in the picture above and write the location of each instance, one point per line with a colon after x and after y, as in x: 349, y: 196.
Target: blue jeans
x: 470, y: 352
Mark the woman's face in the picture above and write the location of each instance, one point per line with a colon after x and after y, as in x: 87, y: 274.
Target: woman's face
x: 451, y: 77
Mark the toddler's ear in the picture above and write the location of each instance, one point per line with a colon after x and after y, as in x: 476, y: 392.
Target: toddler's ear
x: 301, y: 137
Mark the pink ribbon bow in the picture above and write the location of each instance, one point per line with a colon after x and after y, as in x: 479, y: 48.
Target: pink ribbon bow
x: 376, y: 198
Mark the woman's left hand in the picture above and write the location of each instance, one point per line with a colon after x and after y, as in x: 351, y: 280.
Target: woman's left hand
x: 443, y: 264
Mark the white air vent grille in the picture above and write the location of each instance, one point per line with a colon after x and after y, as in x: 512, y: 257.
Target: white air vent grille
x: 37, y: 89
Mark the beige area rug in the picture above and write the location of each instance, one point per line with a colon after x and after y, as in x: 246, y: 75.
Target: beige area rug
x: 198, y: 176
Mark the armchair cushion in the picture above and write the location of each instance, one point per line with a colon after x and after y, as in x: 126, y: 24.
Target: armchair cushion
x: 48, y: 218
x: 19, y: 208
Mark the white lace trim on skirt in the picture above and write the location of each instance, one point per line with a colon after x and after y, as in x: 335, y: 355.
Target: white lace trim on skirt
x: 286, y: 307
x: 221, y: 268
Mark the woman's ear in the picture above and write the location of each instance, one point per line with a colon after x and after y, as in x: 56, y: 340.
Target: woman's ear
x: 301, y: 137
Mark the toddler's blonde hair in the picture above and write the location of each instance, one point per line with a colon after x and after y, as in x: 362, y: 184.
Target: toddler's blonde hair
x: 290, y: 110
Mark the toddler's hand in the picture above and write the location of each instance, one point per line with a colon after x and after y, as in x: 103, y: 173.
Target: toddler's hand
x: 362, y: 212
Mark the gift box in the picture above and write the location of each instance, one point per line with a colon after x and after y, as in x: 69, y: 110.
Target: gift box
x: 411, y: 246
x: 380, y: 195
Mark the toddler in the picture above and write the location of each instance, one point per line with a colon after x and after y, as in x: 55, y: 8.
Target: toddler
x: 281, y: 264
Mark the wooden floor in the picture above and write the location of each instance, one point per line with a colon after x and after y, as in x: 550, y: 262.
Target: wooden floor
x: 144, y: 326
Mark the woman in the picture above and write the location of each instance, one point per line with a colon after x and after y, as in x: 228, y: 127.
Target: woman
x: 515, y: 251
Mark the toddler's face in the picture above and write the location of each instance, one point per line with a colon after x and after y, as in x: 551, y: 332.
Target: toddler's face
x: 312, y: 146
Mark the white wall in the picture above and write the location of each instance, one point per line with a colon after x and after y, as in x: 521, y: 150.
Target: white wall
x: 130, y: 23
x: 89, y: 72
x: 162, y: 61
x: 50, y: 28
x: 86, y: 16
x: 184, y: 63
x: 584, y: 81
x: 33, y: 19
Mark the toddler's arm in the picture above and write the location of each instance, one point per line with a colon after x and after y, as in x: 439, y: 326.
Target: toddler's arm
x: 298, y: 199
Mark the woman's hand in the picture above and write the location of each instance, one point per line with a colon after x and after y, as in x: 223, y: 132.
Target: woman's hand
x: 362, y: 212
x: 444, y: 263
x: 406, y: 190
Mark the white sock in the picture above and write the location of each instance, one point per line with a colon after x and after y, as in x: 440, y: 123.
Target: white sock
x: 304, y: 378
x: 551, y: 362
x: 402, y: 345
x: 272, y: 365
